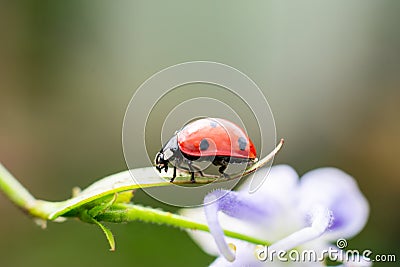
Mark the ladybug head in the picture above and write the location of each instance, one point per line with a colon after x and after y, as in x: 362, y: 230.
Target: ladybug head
x: 160, y: 162
x: 167, y: 153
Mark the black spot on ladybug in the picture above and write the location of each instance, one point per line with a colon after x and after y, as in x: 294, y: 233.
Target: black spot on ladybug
x: 204, y: 144
x: 213, y: 124
x: 242, y: 143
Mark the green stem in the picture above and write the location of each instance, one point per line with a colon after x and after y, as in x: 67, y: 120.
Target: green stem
x: 117, y: 213
x: 15, y: 191
x: 121, y: 212
x: 21, y: 197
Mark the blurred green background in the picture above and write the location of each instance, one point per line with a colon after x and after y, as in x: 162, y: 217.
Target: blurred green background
x: 329, y: 69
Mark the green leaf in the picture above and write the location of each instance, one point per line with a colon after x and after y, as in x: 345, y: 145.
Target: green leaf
x: 101, y: 190
x: 108, y: 186
x: 108, y: 233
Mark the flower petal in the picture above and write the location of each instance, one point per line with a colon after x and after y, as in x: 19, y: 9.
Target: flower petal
x: 279, y: 195
x: 211, y: 211
x: 236, y: 205
x: 326, y: 199
x: 245, y: 256
x: 203, y: 239
x: 321, y: 219
x: 339, y: 192
x: 274, y: 200
x: 281, y: 181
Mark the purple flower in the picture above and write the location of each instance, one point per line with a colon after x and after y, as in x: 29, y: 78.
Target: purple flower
x: 307, y: 214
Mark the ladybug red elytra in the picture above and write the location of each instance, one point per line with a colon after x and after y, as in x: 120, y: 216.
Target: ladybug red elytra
x: 215, y: 140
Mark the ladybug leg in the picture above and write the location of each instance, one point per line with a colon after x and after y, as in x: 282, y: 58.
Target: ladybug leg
x: 223, y: 168
x: 173, y: 176
x: 198, y: 170
x: 192, y: 180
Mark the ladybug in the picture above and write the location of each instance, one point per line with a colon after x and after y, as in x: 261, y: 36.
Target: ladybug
x: 215, y: 140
